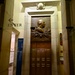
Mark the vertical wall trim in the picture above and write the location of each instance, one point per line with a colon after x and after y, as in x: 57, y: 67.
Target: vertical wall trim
x: 65, y: 38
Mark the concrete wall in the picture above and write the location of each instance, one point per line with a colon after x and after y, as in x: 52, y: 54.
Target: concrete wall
x: 19, y: 17
x: 14, y: 9
x: 65, y: 39
x: 41, y: 0
x: 72, y: 11
x: 60, y: 54
x: 6, y: 36
x: 2, y: 8
x: 4, y: 56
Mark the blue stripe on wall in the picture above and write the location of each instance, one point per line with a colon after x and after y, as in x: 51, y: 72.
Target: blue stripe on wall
x: 19, y: 56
